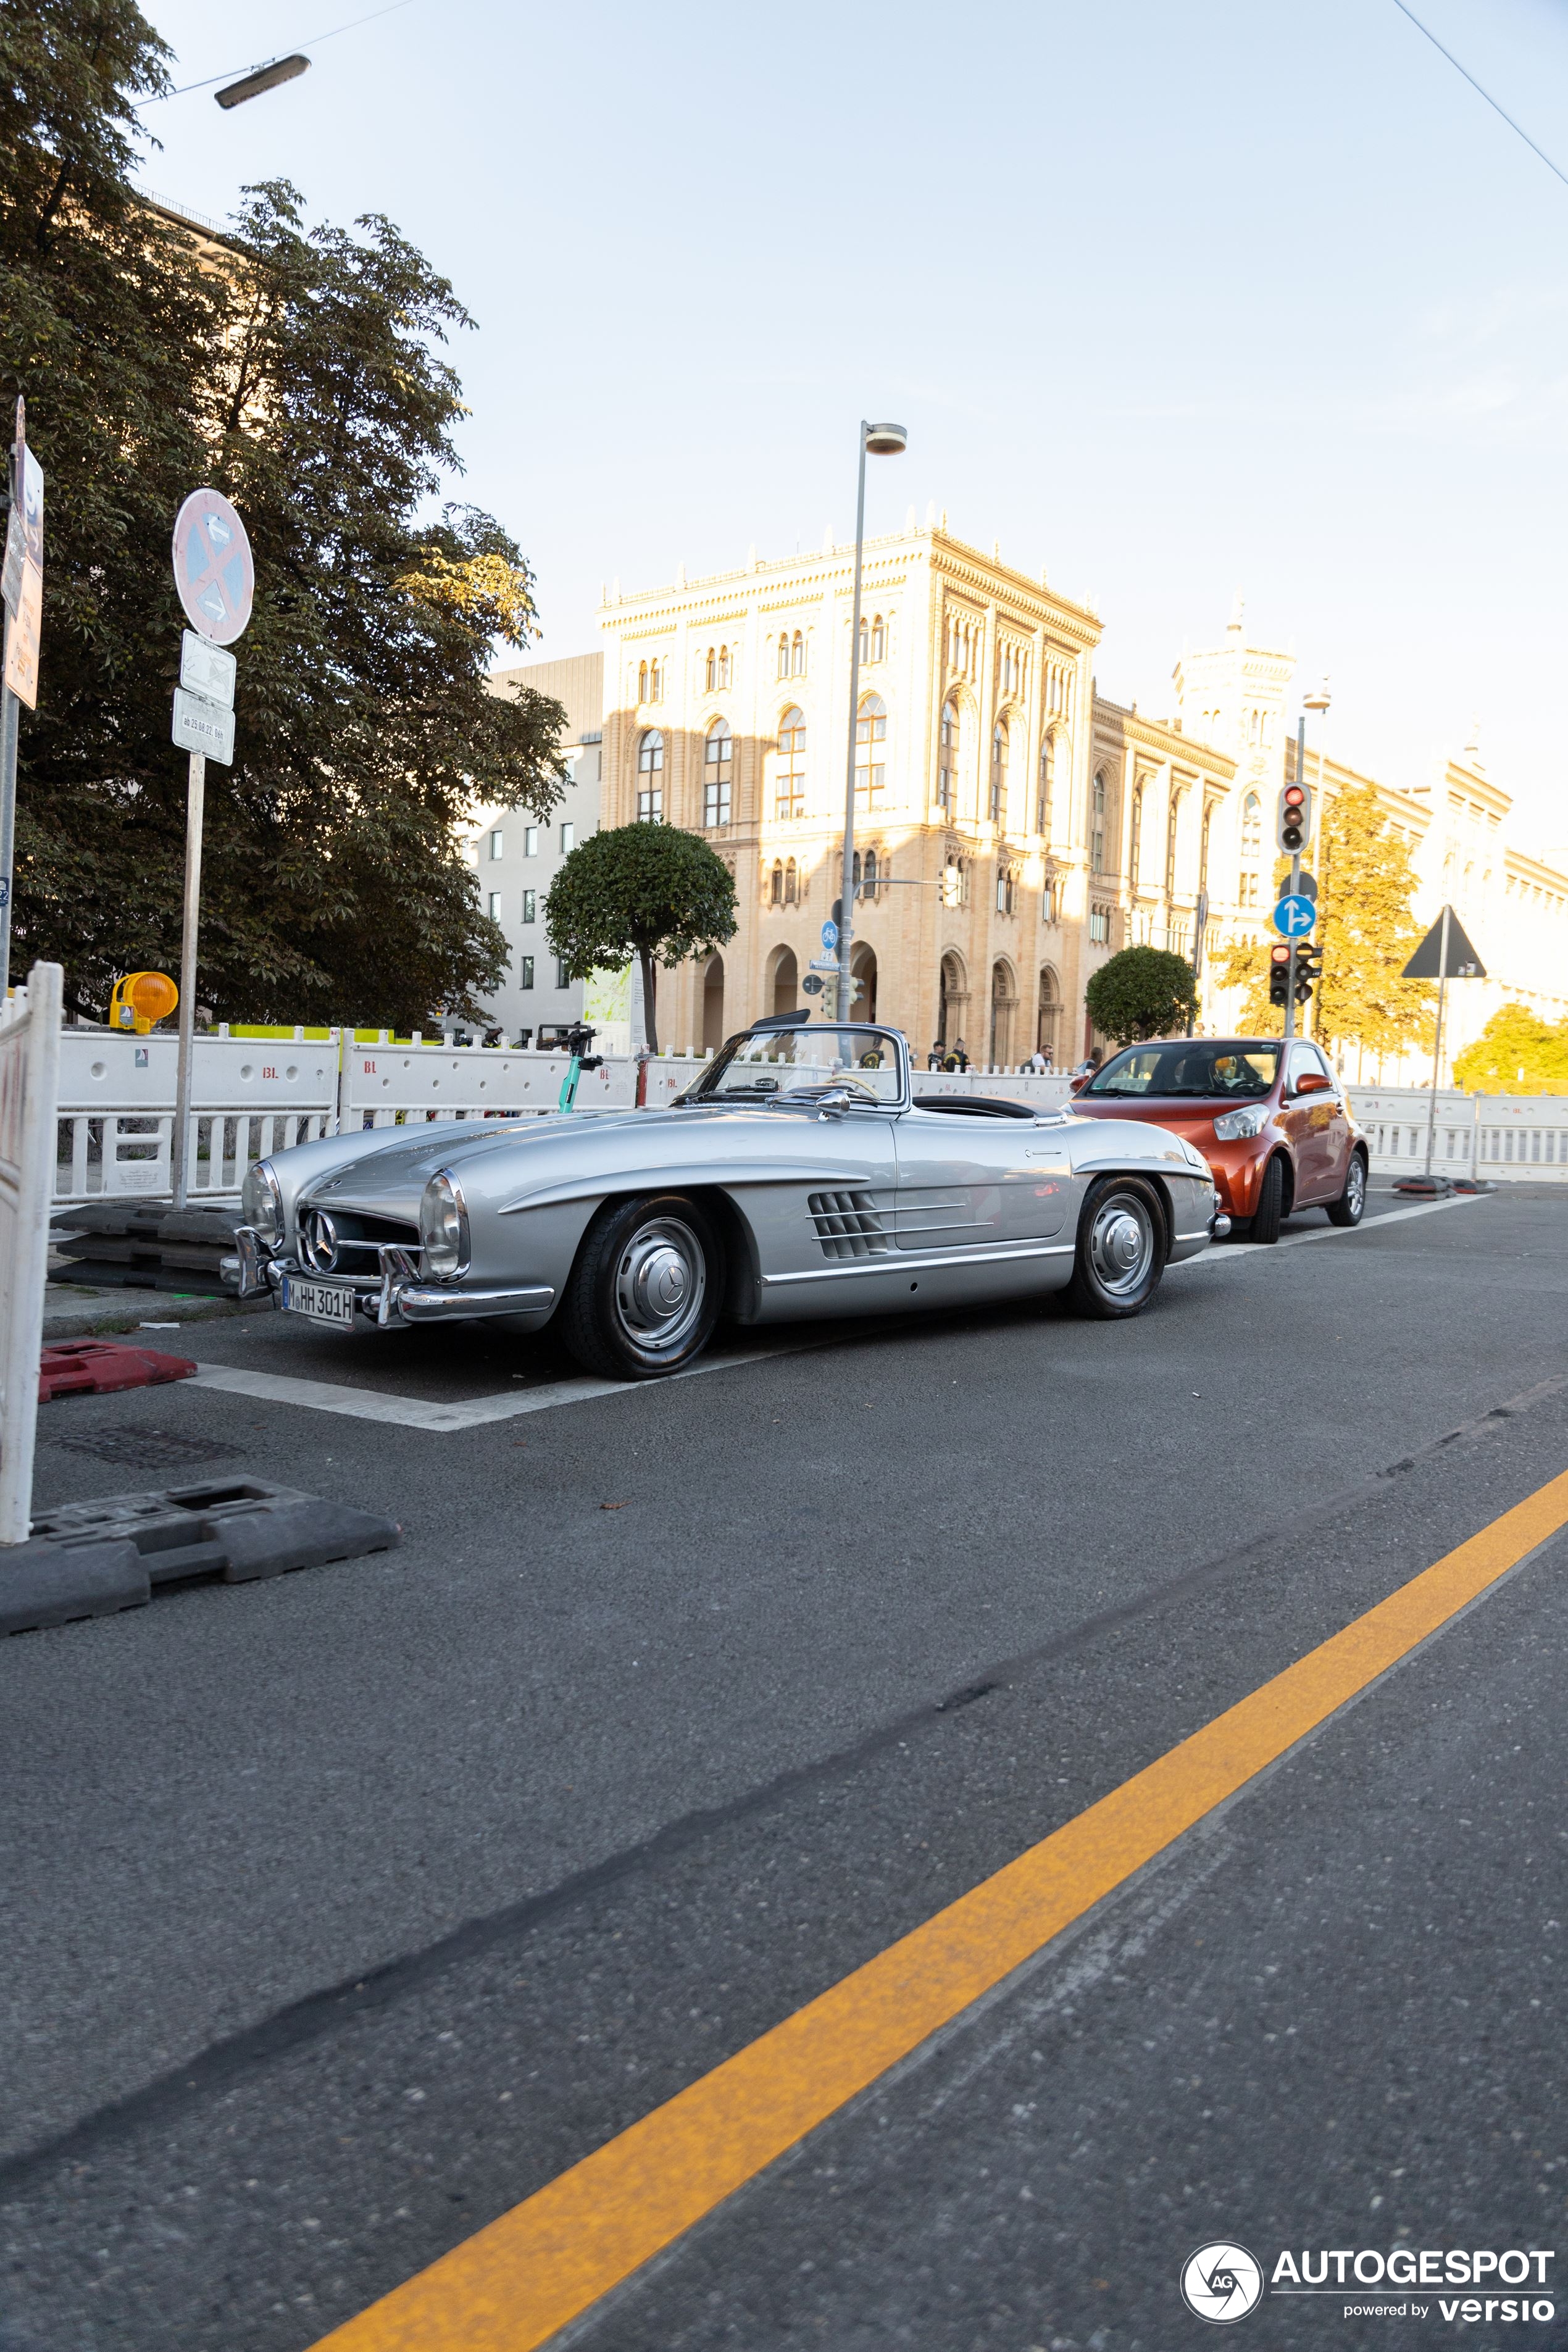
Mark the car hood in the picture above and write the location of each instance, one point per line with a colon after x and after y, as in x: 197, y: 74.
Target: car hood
x: 1193, y: 1120
x: 524, y: 1153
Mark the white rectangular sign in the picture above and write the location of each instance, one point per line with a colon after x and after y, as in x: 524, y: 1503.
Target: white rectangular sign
x: 204, y: 726
x: 205, y: 669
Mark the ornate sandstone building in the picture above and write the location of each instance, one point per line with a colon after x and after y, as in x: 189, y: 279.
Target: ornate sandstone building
x: 1015, y: 828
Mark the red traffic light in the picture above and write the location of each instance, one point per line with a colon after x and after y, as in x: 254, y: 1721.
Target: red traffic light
x: 1294, y: 796
x: 1278, y: 955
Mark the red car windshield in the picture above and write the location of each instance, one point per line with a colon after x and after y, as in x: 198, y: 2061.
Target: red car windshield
x: 1215, y: 1069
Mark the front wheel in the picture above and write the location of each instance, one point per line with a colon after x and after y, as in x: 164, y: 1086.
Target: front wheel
x: 645, y: 1294
x: 1265, y: 1226
x: 1121, y: 1252
x: 1350, y: 1206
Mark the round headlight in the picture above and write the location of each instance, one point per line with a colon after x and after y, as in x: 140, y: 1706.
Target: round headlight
x: 261, y: 1203
x: 444, y: 1227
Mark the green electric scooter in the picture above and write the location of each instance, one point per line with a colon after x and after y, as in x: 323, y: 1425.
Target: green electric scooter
x: 578, y: 1039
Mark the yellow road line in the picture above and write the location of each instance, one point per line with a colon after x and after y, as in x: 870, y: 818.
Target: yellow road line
x: 513, y: 2284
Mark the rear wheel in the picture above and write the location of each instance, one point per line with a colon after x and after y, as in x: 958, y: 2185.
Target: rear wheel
x: 1265, y: 1226
x: 1120, y: 1250
x: 645, y: 1294
x: 1350, y: 1206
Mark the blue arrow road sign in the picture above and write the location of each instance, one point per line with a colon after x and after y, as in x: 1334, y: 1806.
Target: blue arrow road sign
x: 1294, y: 917
x: 830, y: 935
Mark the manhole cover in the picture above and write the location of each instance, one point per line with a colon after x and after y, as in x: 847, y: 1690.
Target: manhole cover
x: 149, y: 1449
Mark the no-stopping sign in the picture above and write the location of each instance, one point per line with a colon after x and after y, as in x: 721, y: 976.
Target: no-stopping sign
x: 213, y: 569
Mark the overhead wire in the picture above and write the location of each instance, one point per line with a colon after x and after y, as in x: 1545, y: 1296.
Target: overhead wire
x: 311, y: 40
x: 1476, y: 86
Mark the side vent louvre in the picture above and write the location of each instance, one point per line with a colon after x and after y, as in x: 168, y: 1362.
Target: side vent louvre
x: 848, y: 1225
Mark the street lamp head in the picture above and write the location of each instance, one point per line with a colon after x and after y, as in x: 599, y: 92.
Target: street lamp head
x: 1318, y: 700
x: 886, y: 440
x: 251, y: 85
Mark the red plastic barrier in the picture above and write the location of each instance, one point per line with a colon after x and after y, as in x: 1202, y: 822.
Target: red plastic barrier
x: 99, y: 1367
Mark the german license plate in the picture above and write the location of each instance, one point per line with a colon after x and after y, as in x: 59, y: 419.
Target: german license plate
x: 325, y: 1302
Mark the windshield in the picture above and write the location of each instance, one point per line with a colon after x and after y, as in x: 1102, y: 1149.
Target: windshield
x: 1217, y: 1070
x: 765, y: 1064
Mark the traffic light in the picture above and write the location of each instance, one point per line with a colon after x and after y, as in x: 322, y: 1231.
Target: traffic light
x: 1293, y: 828
x: 1309, y: 968
x: 1279, y: 975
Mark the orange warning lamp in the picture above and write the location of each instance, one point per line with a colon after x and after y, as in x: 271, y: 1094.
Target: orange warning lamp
x: 140, y: 999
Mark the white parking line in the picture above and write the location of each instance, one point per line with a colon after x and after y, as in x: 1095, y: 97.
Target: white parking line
x: 1244, y: 1256
x: 416, y: 1413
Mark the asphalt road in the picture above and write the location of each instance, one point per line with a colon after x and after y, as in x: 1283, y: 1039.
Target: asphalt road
x: 344, y: 1912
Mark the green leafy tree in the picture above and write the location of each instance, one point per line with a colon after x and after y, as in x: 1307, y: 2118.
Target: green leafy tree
x: 1366, y: 928
x: 645, y: 890
x: 1141, y: 993
x: 1516, y: 1054
x: 299, y: 372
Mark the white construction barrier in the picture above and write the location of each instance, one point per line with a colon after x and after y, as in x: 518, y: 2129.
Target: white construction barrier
x: 386, y: 1083
x: 1498, y: 1137
x: 250, y: 1096
x: 29, y: 1075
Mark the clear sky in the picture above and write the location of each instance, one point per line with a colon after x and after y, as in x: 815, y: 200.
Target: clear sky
x: 1176, y: 297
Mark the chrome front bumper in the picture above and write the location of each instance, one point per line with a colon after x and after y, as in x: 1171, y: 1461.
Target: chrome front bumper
x: 398, y: 1296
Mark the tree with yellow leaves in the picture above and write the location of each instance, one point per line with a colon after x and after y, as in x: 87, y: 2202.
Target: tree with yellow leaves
x: 1366, y: 928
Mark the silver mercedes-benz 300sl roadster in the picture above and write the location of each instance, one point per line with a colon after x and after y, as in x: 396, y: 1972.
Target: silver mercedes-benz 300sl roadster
x: 800, y: 1175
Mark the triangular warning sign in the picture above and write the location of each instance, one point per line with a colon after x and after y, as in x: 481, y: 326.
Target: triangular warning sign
x: 1464, y: 963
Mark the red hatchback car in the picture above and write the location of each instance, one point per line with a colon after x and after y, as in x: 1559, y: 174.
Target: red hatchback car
x: 1270, y: 1119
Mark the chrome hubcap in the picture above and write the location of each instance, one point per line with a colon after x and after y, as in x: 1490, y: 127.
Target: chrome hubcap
x: 1122, y: 1244
x: 660, y: 1283
x: 1355, y: 1184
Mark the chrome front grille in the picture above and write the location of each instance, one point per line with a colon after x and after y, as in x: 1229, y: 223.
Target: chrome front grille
x: 849, y: 1225
x: 347, y: 1241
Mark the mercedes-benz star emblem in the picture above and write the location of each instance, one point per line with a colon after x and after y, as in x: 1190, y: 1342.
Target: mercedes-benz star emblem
x: 320, y: 1237
x: 1221, y: 2281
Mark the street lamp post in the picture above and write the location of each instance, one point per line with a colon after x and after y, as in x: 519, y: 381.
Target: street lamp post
x: 883, y: 441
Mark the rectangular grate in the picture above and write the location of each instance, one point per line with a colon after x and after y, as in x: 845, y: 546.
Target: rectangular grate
x: 848, y: 1225
x: 151, y: 1449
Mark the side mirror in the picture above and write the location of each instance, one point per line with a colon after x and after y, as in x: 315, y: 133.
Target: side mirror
x: 837, y: 1105
x: 1313, y: 1082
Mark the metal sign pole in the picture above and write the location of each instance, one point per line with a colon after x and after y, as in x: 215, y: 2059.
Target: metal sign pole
x: 1438, y: 1041
x: 196, y: 794
x: 1295, y: 887
x: 846, y: 902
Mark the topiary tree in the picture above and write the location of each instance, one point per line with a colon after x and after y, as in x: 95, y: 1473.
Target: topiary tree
x: 1141, y: 993
x: 641, y: 890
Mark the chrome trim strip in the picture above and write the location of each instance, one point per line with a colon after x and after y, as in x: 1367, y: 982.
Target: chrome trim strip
x: 417, y: 1303
x: 912, y: 1261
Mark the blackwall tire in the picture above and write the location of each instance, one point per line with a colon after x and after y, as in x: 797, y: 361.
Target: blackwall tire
x: 1350, y: 1206
x: 1265, y: 1226
x: 1122, y: 1249
x: 644, y: 1296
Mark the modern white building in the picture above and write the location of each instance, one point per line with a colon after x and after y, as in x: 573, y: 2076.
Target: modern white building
x: 516, y: 859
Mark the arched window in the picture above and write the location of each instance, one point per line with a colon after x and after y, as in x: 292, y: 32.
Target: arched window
x: 1007, y: 889
x: 797, y: 657
x: 789, y: 779
x: 651, y: 778
x: 878, y: 639
x: 784, y: 656
x: 642, y: 682
x: 999, y: 769
x: 1203, y: 850
x: 776, y: 891
x: 792, y: 879
x: 656, y: 681
x: 947, y: 758
x: 1047, y: 782
x: 1171, y: 818
x: 870, y: 738
x: 1135, y: 845
x: 865, y: 641
x: 723, y: 666
x: 712, y: 670
x: 716, y: 768
x: 869, y: 889
x: 1050, y: 1006
x: 1096, y: 824
x: 1252, y: 850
